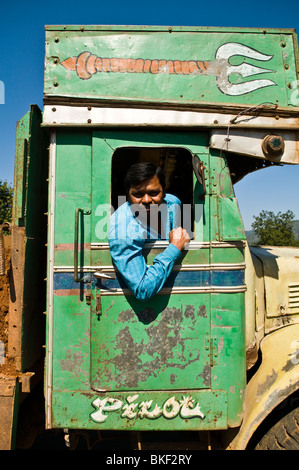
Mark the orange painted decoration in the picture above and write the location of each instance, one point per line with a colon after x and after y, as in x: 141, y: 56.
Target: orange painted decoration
x: 87, y: 64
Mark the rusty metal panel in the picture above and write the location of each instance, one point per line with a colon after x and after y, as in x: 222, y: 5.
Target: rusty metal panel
x: 152, y: 346
x: 171, y: 65
x: 8, y: 411
x: 256, y: 143
x: 28, y: 253
x: 16, y: 295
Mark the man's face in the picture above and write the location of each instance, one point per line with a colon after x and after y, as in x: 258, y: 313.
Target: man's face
x: 147, y: 193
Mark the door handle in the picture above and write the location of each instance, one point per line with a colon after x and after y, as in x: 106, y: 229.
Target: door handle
x: 76, y: 241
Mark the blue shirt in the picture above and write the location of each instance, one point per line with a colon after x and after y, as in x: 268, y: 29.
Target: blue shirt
x: 127, y: 238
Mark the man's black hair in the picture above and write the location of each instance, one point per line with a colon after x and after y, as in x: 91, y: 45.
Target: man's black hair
x: 140, y: 172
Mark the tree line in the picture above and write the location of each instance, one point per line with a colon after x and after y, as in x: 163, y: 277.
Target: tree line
x: 275, y: 229
x: 6, y: 194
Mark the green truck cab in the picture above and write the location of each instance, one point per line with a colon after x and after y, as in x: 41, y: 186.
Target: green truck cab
x: 208, y: 105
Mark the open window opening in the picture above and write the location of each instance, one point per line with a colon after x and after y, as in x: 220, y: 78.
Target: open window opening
x: 175, y: 161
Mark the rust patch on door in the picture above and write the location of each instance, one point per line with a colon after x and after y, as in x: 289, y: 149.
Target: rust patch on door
x: 171, y: 343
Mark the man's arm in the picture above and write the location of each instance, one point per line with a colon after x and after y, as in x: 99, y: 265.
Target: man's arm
x: 143, y: 281
x: 126, y: 252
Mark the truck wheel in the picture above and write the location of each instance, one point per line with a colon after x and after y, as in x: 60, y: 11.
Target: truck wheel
x: 284, y: 435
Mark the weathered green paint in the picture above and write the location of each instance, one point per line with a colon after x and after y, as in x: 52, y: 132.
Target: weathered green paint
x: 21, y: 150
x: 81, y: 410
x: 73, y: 183
x: 175, y: 345
x: 64, y: 256
x: 213, y: 81
x: 157, y: 346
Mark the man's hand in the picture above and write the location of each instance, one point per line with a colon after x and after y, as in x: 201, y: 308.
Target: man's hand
x: 179, y: 237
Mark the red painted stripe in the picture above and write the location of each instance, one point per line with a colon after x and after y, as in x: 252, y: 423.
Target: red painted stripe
x: 70, y: 246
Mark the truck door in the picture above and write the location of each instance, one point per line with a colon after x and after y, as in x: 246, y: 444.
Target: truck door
x: 159, y: 344
x: 114, y: 361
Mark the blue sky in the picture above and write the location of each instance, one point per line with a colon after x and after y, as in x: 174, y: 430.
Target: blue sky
x: 22, y: 62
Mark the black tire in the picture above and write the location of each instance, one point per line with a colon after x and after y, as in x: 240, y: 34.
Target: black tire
x: 284, y: 435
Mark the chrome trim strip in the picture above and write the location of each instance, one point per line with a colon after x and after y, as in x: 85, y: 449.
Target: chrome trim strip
x: 181, y: 290
x: 229, y: 244
x: 177, y: 267
x: 193, y: 245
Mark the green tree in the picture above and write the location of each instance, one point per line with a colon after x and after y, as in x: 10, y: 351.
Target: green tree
x: 274, y: 229
x: 6, y: 192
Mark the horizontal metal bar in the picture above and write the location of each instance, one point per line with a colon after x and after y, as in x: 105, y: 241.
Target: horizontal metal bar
x: 250, y: 143
x: 191, y: 246
x: 62, y: 115
x: 181, y: 290
x: 154, y: 244
x: 212, y: 280
x: 164, y: 28
x: 176, y: 267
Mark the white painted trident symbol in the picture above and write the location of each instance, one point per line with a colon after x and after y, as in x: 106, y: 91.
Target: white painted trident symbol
x: 229, y: 50
x: 86, y: 64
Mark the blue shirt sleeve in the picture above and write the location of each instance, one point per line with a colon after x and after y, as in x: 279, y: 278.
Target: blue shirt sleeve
x: 174, y: 212
x: 143, y: 281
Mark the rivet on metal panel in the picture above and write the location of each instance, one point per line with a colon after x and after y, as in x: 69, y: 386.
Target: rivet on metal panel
x: 214, y: 347
x: 207, y: 351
